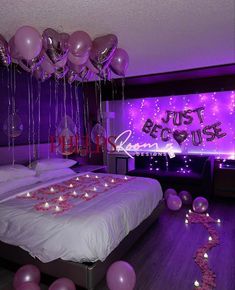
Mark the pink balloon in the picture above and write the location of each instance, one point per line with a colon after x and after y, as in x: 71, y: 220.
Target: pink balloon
x: 78, y: 59
x: 186, y: 197
x: 28, y: 42
x: 79, y: 43
x: 28, y: 286
x: 169, y: 191
x: 13, y: 50
x: 174, y: 202
x: 62, y: 284
x: 62, y: 62
x: 200, y: 204
x: 47, y: 65
x: 121, y: 276
x: 27, y: 273
x: 120, y: 62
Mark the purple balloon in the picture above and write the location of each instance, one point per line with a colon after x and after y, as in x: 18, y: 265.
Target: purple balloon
x: 174, y: 202
x: 63, y: 284
x: 27, y: 273
x: 79, y: 43
x: 169, y: 191
x: 28, y: 42
x: 121, y: 276
x: 28, y: 286
x: 103, y: 49
x: 200, y: 204
x: 120, y: 62
x: 186, y: 197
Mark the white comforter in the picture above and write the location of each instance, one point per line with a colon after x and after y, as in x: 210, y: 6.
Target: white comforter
x: 87, y: 232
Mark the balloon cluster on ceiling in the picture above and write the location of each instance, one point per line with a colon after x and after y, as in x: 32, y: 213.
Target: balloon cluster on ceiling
x: 74, y: 56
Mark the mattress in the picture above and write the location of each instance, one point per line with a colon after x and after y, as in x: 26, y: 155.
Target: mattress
x: 90, y: 226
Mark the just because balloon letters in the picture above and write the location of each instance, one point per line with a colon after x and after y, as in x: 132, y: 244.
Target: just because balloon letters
x: 181, y: 118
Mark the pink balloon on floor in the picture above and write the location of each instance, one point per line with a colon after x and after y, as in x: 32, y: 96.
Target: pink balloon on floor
x: 27, y: 273
x: 28, y: 42
x: 174, y: 202
x: 169, y: 191
x: 28, y: 286
x: 185, y: 197
x: 200, y: 204
x: 63, y: 284
x: 121, y: 276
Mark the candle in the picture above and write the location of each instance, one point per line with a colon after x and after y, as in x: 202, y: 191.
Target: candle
x: 87, y: 175
x: 46, y: 205
x: 28, y: 194
x: 207, y: 214
x: 205, y: 256
x: 186, y: 221
x: 106, y: 184
x: 196, y: 283
x: 210, y: 238
x: 96, y: 176
x: 112, y: 180
x: 74, y: 193
x: 218, y: 221
x: 70, y: 185
x: 57, y: 208
x: 125, y: 178
x: 189, y: 211
x: 52, y: 189
x: 86, y: 195
x: 77, y: 178
x: 61, y: 198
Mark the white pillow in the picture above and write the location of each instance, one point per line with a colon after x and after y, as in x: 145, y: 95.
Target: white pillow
x: 53, y: 174
x: 53, y: 163
x: 10, y: 172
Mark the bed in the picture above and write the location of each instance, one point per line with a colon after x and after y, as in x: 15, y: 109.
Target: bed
x: 75, y: 225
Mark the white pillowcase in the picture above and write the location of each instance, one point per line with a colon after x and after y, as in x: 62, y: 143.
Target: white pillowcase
x: 53, y: 174
x: 53, y: 163
x: 10, y: 172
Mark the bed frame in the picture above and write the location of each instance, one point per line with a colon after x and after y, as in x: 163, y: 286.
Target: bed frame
x: 86, y: 275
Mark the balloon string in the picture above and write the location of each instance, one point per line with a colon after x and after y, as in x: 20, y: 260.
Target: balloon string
x: 9, y: 112
x: 56, y: 105
x: 71, y: 101
x: 77, y: 114
x: 32, y: 116
x: 49, y: 119
x: 100, y: 102
x: 65, y: 112
x: 84, y: 112
x: 29, y: 122
x: 39, y: 116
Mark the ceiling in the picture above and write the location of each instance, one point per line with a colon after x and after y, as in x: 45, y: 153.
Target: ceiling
x: 159, y: 35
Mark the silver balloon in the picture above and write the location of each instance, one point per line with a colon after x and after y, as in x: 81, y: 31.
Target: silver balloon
x: 98, y: 134
x: 13, y: 126
x: 5, y: 57
x: 66, y: 144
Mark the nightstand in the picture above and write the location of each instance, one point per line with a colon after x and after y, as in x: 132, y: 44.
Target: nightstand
x: 224, y: 179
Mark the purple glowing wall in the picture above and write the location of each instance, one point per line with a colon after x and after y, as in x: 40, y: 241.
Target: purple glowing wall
x: 218, y: 108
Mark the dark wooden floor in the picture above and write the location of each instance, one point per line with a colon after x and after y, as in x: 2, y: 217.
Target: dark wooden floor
x: 163, y: 257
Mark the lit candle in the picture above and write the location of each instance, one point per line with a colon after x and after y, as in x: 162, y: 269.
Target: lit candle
x: 61, y: 198
x: 196, y: 283
x: 187, y: 215
x: 74, y: 193
x: 77, y: 178
x: 52, y: 189
x: 190, y: 211
x: 205, y: 256
x: 207, y: 214
x: 28, y: 194
x: 57, y: 208
x: 86, y: 194
x: 106, y: 184
x: 94, y: 188
x: 125, y: 178
x: 112, y: 180
x: 87, y: 175
x: 218, y: 221
x: 70, y: 185
x: 46, y: 205
x: 96, y: 176
x: 186, y: 221
x: 210, y: 238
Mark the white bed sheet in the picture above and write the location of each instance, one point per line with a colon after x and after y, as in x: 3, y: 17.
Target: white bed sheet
x: 89, y: 232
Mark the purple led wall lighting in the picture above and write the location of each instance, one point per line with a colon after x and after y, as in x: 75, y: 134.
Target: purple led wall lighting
x: 218, y: 107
